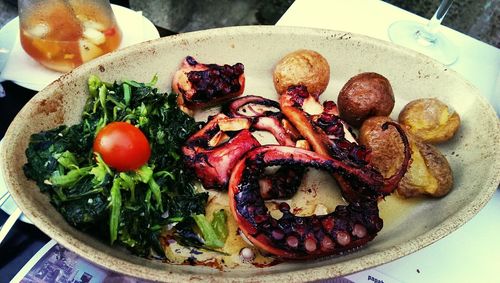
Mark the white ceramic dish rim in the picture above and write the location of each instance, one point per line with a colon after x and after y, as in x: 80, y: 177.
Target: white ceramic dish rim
x: 341, y: 268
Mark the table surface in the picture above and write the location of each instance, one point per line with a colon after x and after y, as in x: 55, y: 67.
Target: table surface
x: 471, y: 253
x: 448, y: 260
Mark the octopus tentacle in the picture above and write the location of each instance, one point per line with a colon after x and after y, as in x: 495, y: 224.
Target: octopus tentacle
x: 266, y: 116
x: 273, y: 125
x: 251, y: 106
x: 212, y: 164
x: 391, y: 183
x: 291, y: 105
x: 282, y: 184
x: 211, y: 153
x: 326, y: 133
x: 348, y: 227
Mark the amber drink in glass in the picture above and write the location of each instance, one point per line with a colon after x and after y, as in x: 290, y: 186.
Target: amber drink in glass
x: 63, y: 34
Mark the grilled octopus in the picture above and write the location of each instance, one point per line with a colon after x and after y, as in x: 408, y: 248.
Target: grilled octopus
x: 225, y: 155
x: 349, y: 226
x: 201, y: 85
x: 297, y: 237
x: 213, y: 151
x: 330, y: 136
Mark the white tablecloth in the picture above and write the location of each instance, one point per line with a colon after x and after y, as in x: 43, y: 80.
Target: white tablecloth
x: 472, y: 253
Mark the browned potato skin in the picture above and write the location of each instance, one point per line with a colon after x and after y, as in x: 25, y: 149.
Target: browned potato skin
x: 386, y: 146
x: 429, y: 173
x: 438, y: 167
x: 430, y: 120
x: 363, y: 96
x: 302, y: 67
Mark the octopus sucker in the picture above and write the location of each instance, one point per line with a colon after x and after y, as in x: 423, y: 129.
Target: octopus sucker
x: 349, y: 226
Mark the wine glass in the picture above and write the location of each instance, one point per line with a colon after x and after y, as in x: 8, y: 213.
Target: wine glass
x: 426, y: 39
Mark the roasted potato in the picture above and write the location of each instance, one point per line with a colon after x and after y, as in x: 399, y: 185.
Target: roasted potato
x: 363, y: 96
x: 302, y: 67
x: 429, y: 173
x: 430, y: 120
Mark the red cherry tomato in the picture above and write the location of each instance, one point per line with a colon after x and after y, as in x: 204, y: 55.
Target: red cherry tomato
x: 122, y: 146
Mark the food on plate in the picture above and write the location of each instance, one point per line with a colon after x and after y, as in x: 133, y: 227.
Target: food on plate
x: 430, y: 120
x: 429, y: 173
x: 212, y: 163
x: 126, y: 207
x: 238, y: 161
x: 298, y: 237
x: 170, y: 194
x: 302, y: 67
x: 363, y: 96
x: 122, y: 146
x: 437, y: 182
x: 201, y: 85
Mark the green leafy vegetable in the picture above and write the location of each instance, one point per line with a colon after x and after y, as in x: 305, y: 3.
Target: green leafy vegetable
x: 212, y: 235
x: 127, y: 208
x: 219, y: 224
x: 211, y: 238
x: 116, y: 205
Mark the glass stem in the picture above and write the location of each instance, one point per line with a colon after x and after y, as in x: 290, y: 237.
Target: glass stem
x: 438, y: 16
x: 428, y: 37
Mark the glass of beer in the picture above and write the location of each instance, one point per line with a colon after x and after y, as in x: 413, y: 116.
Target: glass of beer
x: 63, y: 34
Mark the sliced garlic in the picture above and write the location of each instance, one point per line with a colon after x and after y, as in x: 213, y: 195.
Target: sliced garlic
x: 234, y: 124
x: 303, y: 144
x: 219, y: 138
x: 320, y: 209
x: 312, y: 107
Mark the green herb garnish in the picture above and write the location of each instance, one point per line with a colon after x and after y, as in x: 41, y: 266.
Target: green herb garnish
x: 127, y: 208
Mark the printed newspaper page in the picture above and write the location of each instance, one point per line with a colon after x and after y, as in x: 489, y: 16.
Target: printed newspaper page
x: 54, y: 263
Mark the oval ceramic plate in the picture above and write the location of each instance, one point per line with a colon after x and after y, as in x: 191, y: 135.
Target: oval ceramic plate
x: 473, y: 153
